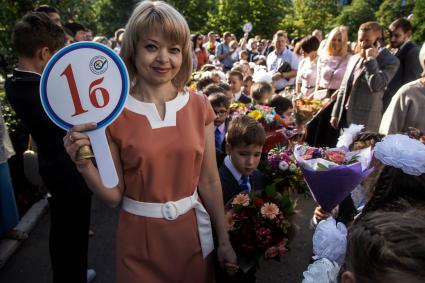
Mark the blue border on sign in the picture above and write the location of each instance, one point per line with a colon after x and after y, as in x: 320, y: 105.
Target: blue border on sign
x: 79, y: 45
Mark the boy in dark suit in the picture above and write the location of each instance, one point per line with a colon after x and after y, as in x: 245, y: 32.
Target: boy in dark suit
x: 238, y: 173
x: 220, y: 104
x: 244, y: 144
x: 36, y: 38
x: 235, y: 79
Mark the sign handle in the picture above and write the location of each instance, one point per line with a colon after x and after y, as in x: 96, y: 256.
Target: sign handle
x: 104, y: 160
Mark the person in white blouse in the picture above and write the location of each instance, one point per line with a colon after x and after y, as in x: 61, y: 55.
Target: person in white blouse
x: 307, y: 69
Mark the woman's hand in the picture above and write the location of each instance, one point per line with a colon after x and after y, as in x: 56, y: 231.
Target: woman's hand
x: 334, y: 122
x: 75, y: 139
x: 320, y: 214
x: 227, y: 258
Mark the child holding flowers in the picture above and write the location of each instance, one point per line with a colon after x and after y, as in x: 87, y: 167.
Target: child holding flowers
x: 238, y: 173
x: 244, y: 143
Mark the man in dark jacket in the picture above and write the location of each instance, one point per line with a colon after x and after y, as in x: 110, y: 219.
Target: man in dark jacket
x: 407, y: 53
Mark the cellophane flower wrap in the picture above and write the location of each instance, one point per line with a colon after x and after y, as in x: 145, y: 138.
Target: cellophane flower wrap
x: 332, y: 174
x: 283, y: 170
x: 258, y: 225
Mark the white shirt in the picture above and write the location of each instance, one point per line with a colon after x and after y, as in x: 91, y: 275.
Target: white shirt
x: 274, y: 60
x: 237, y: 95
x: 236, y: 174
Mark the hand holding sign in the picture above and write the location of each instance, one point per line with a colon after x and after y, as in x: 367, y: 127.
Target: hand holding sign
x: 83, y: 83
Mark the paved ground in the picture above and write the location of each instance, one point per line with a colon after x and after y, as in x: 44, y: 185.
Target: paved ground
x: 30, y: 264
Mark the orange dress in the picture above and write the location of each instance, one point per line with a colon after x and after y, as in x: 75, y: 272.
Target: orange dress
x: 161, y: 161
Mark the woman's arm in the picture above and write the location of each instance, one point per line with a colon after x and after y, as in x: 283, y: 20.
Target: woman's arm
x: 75, y: 139
x: 212, y: 197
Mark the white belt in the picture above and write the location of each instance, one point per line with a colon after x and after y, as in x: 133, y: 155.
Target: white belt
x: 173, y: 209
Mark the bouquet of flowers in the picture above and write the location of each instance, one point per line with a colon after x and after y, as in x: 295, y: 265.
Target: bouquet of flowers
x: 238, y: 109
x: 263, y: 114
x: 258, y: 225
x: 306, y: 108
x: 284, y: 171
x: 331, y: 174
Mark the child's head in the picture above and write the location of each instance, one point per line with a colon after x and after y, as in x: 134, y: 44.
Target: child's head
x: 36, y: 37
x: 261, y: 92
x: 247, y: 84
x: 386, y: 247
x: 227, y: 90
x: 243, y: 55
x: 212, y: 88
x: 220, y: 104
x: 244, y: 143
x: 161, y: 21
x: 401, y: 173
x: 282, y: 106
x: 235, y: 79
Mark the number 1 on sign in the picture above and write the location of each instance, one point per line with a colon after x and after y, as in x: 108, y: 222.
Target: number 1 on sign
x: 69, y: 74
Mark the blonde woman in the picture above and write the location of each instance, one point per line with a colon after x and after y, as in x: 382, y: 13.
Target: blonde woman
x: 164, y: 152
x: 331, y: 66
x: 333, y: 59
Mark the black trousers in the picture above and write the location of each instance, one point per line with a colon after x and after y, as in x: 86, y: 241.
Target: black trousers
x: 70, y: 206
x: 68, y: 242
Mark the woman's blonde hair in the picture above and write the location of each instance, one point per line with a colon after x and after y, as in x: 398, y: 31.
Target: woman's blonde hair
x: 149, y: 17
x: 340, y: 30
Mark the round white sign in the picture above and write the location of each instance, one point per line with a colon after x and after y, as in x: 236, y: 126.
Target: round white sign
x: 82, y: 83
x: 247, y: 27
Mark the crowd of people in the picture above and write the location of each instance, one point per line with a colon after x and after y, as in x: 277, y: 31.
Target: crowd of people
x: 177, y: 143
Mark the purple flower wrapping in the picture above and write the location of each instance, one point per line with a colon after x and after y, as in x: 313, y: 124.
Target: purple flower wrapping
x: 332, y: 186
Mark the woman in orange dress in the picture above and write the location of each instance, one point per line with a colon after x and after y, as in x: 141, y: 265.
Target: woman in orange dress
x: 163, y: 149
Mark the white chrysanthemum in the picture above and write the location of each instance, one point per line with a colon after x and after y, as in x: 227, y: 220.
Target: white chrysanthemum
x: 283, y: 166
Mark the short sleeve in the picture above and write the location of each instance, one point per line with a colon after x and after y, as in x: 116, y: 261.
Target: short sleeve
x: 209, y: 114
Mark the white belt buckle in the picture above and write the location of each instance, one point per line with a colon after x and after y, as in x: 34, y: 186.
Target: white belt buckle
x: 169, y: 210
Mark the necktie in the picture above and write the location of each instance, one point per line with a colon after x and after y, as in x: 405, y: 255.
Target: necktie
x: 245, y: 184
x: 217, y: 135
x: 358, y: 70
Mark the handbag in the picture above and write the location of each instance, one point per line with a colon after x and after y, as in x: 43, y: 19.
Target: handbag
x: 284, y: 67
x: 30, y: 160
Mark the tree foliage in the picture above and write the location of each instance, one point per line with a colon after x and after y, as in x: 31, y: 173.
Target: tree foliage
x: 307, y: 15
x: 231, y: 15
x: 391, y: 10
x: 298, y: 17
x: 358, y: 12
x: 419, y: 21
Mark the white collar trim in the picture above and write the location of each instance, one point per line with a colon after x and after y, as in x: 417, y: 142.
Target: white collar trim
x: 149, y: 110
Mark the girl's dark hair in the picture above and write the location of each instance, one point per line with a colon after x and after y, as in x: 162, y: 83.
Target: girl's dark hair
x: 394, y: 185
x: 280, y: 103
x: 382, y: 245
x: 203, y: 83
x: 309, y: 43
x: 365, y: 139
x: 260, y: 90
x: 194, y: 41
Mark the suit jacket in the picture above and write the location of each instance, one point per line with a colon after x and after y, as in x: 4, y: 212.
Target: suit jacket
x: 220, y: 153
x: 244, y: 99
x: 56, y: 168
x: 231, y: 186
x: 410, y: 69
x: 364, y: 94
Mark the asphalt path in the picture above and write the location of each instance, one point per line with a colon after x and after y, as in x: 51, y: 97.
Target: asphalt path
x: 31, y: 264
